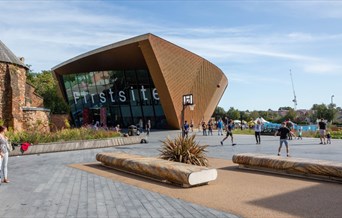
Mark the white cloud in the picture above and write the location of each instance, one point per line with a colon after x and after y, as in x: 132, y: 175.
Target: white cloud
x: 53, y: 31
x: 323, y: 68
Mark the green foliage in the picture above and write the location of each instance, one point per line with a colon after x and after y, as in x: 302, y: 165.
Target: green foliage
x: 285, y: 108
x: 37, y: 137
x: 243, y: 131
x: 184, y: 150
x: 233, y: 113
x: 46, y: 87
x: 291, y: 115
x: 336, y: 134
x: 245, y: 116
x: 323, y: 111
x: 254, y: 115
x: 219, y: 113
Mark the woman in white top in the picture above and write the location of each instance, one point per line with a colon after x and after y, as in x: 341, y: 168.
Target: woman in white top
x: 257, y: 129
x: 4, y: 144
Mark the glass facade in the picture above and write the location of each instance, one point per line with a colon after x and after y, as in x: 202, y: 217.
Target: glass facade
x: 123, y: 97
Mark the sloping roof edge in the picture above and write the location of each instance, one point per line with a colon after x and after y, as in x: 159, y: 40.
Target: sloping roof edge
x: 7, y: 56
x: 104, y: 48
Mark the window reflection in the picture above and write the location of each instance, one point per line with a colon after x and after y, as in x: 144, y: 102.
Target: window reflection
x: 114, y: 97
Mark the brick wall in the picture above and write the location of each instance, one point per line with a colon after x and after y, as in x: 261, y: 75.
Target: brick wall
x: 32, y: 98
x: 36, y: 119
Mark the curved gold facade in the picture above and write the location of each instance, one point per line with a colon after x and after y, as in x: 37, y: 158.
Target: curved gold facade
x: 174, y: 71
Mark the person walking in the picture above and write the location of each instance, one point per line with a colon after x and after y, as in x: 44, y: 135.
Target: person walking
x: 322, y: 129
x: 192, y: 125
x: 328, y: 138
x: 210, y: 128
x: 300, y: 133
x: 204, y: 128
x: 4, y: 151
x: 141, y: 125
x: 148, y: 127
x: 289, y: 125
x: 219, y: 127
x: 186, y: 129
x: 283, y: 132
x: 230, y: 128
x: 257, y: 131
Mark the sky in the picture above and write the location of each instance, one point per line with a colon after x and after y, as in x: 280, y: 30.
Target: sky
x: 255, y: 43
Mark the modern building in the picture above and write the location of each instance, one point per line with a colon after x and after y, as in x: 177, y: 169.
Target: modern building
x: 21, y: 108
x: 140, y: 79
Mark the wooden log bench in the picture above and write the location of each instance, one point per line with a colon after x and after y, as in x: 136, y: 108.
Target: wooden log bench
x: 182, y: 174
x: 317, y: 169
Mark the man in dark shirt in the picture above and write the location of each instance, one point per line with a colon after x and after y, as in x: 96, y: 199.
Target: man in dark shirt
x: 185, y: 129
x: 322, y: 128
x: 230, y: 128
x: 283, y: 132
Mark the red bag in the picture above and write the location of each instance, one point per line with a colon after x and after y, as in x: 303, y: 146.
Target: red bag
x: 24, y: 146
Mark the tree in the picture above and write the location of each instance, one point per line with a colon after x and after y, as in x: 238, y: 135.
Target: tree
x: 285, y: 108
x: 291, y: 115
x: 254, y: 115
x: 323, y: 111
x: 46, y: 87
x: 245, y: 115
x: 233, y: 113
x: 219, y: 112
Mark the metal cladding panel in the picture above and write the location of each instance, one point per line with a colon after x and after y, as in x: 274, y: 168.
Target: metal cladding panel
x: 186, y: 73
x: 175, y: 72
x: 160, y: 84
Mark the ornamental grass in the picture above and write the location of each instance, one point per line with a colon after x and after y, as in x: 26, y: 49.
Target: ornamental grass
x: 37, y: 137
x: 184, y: 150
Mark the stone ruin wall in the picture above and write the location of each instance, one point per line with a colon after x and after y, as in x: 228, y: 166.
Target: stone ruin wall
x: 2, y: 91
x: 12, y: 95
x: 36, y: 120
x: 33, y: 99
x: 15, y: 94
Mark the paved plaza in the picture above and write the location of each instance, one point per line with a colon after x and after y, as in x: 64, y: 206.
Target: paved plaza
x: 46, y: 186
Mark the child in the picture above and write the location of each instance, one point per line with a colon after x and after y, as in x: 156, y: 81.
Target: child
x: 300, y: 131
x: 328, y: 138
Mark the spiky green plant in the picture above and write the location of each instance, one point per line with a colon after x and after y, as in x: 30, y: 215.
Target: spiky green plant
x: 184, y: 150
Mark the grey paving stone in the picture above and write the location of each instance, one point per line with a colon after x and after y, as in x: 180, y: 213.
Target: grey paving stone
x: 45, y: 186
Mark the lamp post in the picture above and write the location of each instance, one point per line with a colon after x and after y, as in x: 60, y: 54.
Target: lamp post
x: 187, y: 100
x: 332, y: 99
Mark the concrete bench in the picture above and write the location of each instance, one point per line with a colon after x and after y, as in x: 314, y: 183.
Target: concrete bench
x: 185, y: 175
x: 317, y: 169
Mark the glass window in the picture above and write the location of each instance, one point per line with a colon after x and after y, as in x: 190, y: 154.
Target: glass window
x: 128, y: 96
x: 143, y: 77
x: 126, y: 115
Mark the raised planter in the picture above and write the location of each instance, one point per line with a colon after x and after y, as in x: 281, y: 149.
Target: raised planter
x: 186, y: 175
x: 77, y: 145
x: 317, y: 169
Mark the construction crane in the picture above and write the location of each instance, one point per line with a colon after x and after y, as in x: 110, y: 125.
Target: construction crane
x: 294, y: 93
